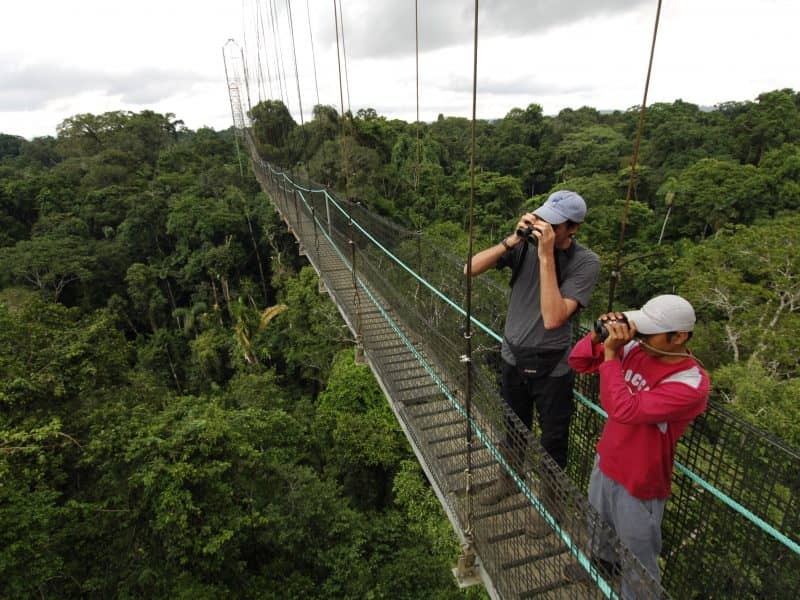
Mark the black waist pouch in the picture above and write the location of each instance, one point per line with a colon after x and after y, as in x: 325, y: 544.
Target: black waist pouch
x: 534, y: 364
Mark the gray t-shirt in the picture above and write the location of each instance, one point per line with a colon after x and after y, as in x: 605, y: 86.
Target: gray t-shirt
x: 578, y: 270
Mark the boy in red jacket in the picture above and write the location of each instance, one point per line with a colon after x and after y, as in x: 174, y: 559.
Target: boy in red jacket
x: 651, y: 387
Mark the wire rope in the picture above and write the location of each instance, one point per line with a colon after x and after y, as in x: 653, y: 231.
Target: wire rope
x: 276, y: 40
x: 615, y: 273
x: 416, y: 57
x: 313, y: 55
x: 259, y: 69
x: 344, y: 57
x: 294, y: 54
x: 266, y: 55
x: 467, y: 359
x: 341, y: 101
x: 246, y: 73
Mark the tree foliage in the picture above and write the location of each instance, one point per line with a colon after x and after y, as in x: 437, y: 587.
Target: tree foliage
x: 180, y: 412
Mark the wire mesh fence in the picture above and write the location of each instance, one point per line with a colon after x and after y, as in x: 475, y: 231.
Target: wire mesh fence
x: 403, y: 296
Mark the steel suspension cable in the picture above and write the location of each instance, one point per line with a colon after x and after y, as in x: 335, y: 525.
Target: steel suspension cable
x: 615, y: 273
x: 259, y: 69
x: 294, y: 54
x: 266, y: 55
x: 313, y: 55
x: 341, y: 102
x: 468, y: 303
x: 344, y: 57
x: 276, y: 40
x: 246, y: 73
x: 416, y: 56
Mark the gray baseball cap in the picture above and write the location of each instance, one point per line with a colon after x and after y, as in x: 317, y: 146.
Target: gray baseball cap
x: 561, y: 206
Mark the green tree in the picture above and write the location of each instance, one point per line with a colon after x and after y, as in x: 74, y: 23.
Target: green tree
x: 745, y: 284
x: 716, y: 193
x: 272, y: 123
x: 49, y: 264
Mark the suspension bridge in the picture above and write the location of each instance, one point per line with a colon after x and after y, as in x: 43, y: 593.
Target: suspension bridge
x: 731, y: 528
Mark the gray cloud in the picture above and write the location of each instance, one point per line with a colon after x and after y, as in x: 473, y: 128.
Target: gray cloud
x: 386, y: 29
x: 513, y: 86
x: 32, y: 87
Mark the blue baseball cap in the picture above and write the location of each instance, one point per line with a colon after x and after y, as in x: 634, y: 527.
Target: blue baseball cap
x: 561, y: 206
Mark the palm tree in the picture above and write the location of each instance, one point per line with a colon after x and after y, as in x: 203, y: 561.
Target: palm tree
x: 249, y: 321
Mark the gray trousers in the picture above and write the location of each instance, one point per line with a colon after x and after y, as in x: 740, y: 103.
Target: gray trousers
x: 636, y: 522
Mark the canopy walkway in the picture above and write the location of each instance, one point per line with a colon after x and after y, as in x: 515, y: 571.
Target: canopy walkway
x: 731, y: 528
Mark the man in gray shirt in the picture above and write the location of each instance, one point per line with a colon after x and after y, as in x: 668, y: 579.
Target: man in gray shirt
x: 553, y: 276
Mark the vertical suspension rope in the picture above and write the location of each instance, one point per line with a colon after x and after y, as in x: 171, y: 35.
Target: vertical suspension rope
x: 468, y: 304
x: 266, y: 55
x: 416, y: 56
x: 259, y: 70
x: 341, y: 103
x: 356, y: 295
x: 243, y: 49
x: 344, y: 57
x: 244, y: 35
x: 313, y: 55
x: 246, y: 86
x: 278, y: 54
x: 294, y: 54
x: 615, y: 273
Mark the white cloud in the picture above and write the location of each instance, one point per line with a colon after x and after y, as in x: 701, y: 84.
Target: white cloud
x: 62, y: 58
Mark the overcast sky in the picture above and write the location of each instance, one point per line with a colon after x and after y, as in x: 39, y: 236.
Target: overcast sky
x: 60, y: 58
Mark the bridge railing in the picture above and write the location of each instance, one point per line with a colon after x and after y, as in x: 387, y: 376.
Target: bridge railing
x: 731, y: 527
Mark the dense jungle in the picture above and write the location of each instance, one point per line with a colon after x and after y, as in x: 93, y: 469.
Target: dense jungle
x: 181, y: 414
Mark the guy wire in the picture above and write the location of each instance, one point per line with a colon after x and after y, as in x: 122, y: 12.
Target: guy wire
x: 615, y: 273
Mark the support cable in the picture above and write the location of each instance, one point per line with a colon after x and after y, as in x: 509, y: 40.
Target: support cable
x: 244, y: 36
x: 313, y: 55
x: 259, y: 70
x: 416, y: 56
x: 467, y: 359
x: 266, y: 54
x: 615, y: 273
x: 344, y: 57
x: 276, y: 41
x: 246, y: 73
x: 294, y: 54
x: 341, y: 102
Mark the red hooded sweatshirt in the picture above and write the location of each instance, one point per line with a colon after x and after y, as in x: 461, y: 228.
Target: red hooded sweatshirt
x: 650, y: 403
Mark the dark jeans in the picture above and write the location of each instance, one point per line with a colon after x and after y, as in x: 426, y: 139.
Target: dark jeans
x: 554, y: 403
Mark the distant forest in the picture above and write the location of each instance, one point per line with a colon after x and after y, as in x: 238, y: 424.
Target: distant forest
x: 180, y: 411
